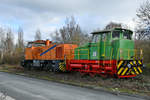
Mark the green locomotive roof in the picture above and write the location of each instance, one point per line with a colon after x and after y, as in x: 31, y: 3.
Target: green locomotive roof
x: 106, y: 31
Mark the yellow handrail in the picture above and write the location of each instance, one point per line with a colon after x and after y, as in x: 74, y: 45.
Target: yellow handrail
x: 137, y: 53
x: 78, y: 54
x: 128, y: 54
x: 88, y: 54
x: 111, y: 56
x: 81, y: 54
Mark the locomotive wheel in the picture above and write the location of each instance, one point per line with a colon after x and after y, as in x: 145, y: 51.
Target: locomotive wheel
x: 41, y: 68
x: 92, y: 74
x: 47, y: 67
x: 25, y: 67
x: 82, y: 73
x: 28, y: 66
x: 104, y: 75
x: 53, y: 68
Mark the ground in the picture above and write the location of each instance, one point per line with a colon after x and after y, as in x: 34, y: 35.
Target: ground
x: 139, y: 85
x: 25, y: 88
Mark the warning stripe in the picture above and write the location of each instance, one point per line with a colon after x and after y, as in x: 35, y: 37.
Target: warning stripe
x: 131, y: 63
x: 129, y: 72
x: 120, y: 70
x: 123, y: 73
x: 140, y: 69
x: 139, y: 62
x: 123, y: 69
x: 62, y: 66
x: 136, y: 70
x: 132, y: 72
x: 134, y: 62
x: 120, y: 64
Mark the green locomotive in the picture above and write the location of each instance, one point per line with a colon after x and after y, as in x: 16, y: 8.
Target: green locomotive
x: 110, y: 52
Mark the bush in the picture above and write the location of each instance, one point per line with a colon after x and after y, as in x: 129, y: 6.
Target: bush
x: 145, y: 46
x: 146, y: 70
x: 13, y: 58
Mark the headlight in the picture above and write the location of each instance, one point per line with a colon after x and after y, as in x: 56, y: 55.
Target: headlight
x: 129, y: 66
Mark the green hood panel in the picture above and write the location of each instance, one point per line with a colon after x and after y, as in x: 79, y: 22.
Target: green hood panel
x: 123, y: 49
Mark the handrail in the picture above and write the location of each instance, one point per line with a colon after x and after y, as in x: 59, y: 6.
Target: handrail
x: 78, y: 54
x: 111, y: 56
x: 137, y: 54
x: 121, y: 53
x: 82, y: 54
x: 88, y: 54
x: 99, y: 51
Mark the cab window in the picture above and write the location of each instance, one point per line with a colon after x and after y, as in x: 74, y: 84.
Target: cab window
x: 39, y: 44
x: 29, y: 45
x: 103, y: 37
x: 116, y: 34
x: 35, y: 45
x: 96, y: 38
x: 127, y: 35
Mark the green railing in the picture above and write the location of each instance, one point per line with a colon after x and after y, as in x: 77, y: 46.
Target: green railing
x: 78, y: 54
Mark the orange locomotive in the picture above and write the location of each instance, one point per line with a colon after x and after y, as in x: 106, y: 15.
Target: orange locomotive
x: 47, y: 55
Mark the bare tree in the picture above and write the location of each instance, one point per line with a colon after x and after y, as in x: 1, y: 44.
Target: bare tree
x: 143, y: 23
x: 9, y: 43
x: 142, y: 31
x: 70, y: 33
x: 38, y: 34
x: 56, y: 36
x: 9, y: 52
x: 8, y: 49
x: 2, y: 44
x: 20, y: 38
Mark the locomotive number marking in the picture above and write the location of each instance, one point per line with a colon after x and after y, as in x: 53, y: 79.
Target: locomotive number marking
x: 94, y: 54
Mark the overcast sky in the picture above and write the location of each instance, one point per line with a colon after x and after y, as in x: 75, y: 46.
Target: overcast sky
x: 49, y: 15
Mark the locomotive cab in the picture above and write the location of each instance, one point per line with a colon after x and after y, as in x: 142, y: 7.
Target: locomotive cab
x: 38, y: 43
x: 129, y: 59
